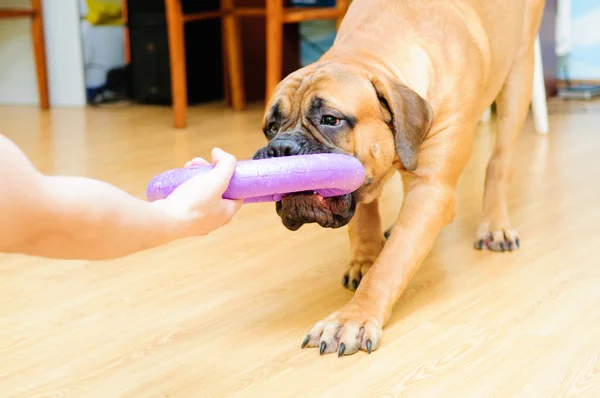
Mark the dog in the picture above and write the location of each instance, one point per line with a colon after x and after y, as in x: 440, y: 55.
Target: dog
x: 402, y: 89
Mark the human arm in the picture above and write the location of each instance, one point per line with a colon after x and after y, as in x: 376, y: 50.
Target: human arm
x: 81, y: 218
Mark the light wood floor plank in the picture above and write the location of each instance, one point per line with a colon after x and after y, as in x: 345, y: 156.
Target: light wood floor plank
x: 224, y: 316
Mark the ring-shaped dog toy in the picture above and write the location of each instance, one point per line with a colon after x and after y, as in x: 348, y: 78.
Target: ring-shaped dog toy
x: 269, y: 180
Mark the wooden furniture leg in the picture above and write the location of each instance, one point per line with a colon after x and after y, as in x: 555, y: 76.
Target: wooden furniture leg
x: 233, y: 57
x: 226, y: 85
x: 126, y: 42
x: 175, y: 28
x: 342, y: 7
x: 274, y: 30
x: 39, y: 47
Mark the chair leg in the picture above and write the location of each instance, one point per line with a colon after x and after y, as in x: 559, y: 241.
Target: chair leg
x: 226, y: 85
x: 126, y: 42
x: 234, y: 56
x: 538, y: 99
x: 175, y: 25
x: 342, y: 7
x: 274, y: 42
x: 39, y: 48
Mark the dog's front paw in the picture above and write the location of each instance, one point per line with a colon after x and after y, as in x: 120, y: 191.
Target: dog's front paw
x: 355, y: 272
x: 345, y: 332
x: 498, y: 238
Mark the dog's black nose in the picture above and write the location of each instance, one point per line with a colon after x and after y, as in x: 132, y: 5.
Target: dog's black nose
x: 283, y: 147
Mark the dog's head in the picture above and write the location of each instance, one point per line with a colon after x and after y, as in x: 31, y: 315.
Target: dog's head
x: 342, y: 108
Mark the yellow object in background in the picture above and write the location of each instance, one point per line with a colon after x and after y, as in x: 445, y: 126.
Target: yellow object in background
x: 104, y: 12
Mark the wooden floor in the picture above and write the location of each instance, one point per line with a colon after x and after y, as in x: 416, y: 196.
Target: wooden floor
x: 224, y: 316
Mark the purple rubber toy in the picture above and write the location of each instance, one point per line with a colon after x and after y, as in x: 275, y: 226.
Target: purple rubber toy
x: 269, y: 180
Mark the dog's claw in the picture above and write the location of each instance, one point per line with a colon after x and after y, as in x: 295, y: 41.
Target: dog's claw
x: 341, y: 350
x: 346, y: 333
x: 305, y: 342
x: 354, y: 284
x: 498, y: 240
x: 346, y: 279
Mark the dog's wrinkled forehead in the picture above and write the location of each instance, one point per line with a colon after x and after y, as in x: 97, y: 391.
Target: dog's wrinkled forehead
x: 342, y: 88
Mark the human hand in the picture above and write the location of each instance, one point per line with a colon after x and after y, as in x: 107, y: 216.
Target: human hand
x: 199, y: 203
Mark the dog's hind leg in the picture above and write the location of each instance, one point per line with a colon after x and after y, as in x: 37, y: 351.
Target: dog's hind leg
x: 512, y: 105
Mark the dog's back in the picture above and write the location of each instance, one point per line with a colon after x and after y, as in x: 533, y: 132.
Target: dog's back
x: 450, y: 38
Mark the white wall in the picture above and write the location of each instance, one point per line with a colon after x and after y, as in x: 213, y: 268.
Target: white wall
x: 103, y: 48
x: 18, y: 85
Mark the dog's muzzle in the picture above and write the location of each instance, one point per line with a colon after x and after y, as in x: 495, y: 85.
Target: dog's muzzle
x: 302, y: 208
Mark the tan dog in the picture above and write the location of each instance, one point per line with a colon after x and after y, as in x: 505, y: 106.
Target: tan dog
x: 403, y: 88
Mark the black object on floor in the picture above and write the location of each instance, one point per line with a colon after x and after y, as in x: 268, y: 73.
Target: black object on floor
x: 116, y: 88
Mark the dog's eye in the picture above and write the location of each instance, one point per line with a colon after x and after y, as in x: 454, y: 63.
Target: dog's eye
x: 328, y: 120
x: 273, y: 128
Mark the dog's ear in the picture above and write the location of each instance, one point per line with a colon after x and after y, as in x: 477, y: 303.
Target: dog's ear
x: 410, y: 118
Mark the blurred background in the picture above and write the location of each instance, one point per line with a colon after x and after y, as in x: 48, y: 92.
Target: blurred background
x: 88, y: 41
x: 101, y: 51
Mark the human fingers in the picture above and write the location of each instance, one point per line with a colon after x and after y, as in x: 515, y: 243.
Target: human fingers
x: 231, y: 207
x: 225, y: 164
x: 196, y: 162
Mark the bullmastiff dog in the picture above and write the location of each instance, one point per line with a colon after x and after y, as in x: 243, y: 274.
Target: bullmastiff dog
x: 402, y: 89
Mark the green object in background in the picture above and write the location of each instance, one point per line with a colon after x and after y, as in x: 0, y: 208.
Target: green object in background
x: 316, y: 37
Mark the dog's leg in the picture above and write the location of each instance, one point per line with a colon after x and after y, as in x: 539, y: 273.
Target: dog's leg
x: 366, y: 242
x: 428, y: 206
x: 512, y: 105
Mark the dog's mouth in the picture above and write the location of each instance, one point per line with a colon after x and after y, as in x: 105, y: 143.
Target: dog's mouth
x: 301, y: 208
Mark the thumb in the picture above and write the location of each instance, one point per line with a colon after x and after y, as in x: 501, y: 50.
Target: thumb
x: 225, y: 164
